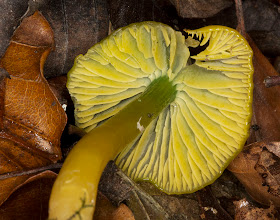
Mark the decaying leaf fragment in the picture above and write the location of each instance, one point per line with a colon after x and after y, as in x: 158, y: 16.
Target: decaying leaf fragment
x: 257, y: 168
x: 31, y: 118
x: 210, y: 206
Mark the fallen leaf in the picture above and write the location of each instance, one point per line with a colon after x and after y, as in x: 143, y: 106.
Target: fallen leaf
x: 246, y: 211
x: 31, y: 118
x: 250, y: 166
x: 30, y: 199
x: 201, y: 8
x: 268, y: 167
x: 257, y: 168
x: 266, y: 105
x: 106, y: 210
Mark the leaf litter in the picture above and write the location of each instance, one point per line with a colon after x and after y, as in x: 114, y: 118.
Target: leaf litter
x: 261, y: 157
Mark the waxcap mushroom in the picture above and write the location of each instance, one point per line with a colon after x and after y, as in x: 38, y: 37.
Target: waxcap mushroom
x: 198, y: 134
x: 163, y: 120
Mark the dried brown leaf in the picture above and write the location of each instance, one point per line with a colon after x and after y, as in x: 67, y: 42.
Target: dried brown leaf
x: 257, y: 168
x: 30, y: 199
x: 31, y: 118
x: 266, y: 101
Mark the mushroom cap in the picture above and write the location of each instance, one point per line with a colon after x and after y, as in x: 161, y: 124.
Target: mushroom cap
x: 193, y: 139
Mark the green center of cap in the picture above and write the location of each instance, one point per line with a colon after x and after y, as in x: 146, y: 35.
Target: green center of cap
x: 180, y: 125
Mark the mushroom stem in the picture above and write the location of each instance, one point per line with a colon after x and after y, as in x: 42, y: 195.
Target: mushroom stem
x: 74, y: 191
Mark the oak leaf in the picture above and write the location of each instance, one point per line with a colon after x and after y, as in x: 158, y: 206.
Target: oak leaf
x: 31, y: 118
x: 257, y: 168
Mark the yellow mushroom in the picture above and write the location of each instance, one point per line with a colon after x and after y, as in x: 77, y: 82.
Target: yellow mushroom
x: 175, y: 125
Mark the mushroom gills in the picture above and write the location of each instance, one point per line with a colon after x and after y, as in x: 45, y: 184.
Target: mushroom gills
x: 196, y: 136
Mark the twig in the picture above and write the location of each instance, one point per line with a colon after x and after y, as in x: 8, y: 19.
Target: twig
x: 32, y: 171
x: 272, y: 81
x: 240, y: 17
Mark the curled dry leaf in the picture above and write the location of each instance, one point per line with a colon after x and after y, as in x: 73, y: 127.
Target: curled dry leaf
x: 30, y: 199
x: 31, y: 118
x: 246, y: 211
x: 257, y: 168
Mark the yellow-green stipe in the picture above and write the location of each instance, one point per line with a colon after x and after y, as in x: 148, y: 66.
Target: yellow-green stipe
x: 82, y: 169
x: 188, y: 140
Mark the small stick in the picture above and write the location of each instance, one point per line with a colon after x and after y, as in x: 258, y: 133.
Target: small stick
x: 32, y: 171
x: 272, y: 81
x: 240, y: 17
